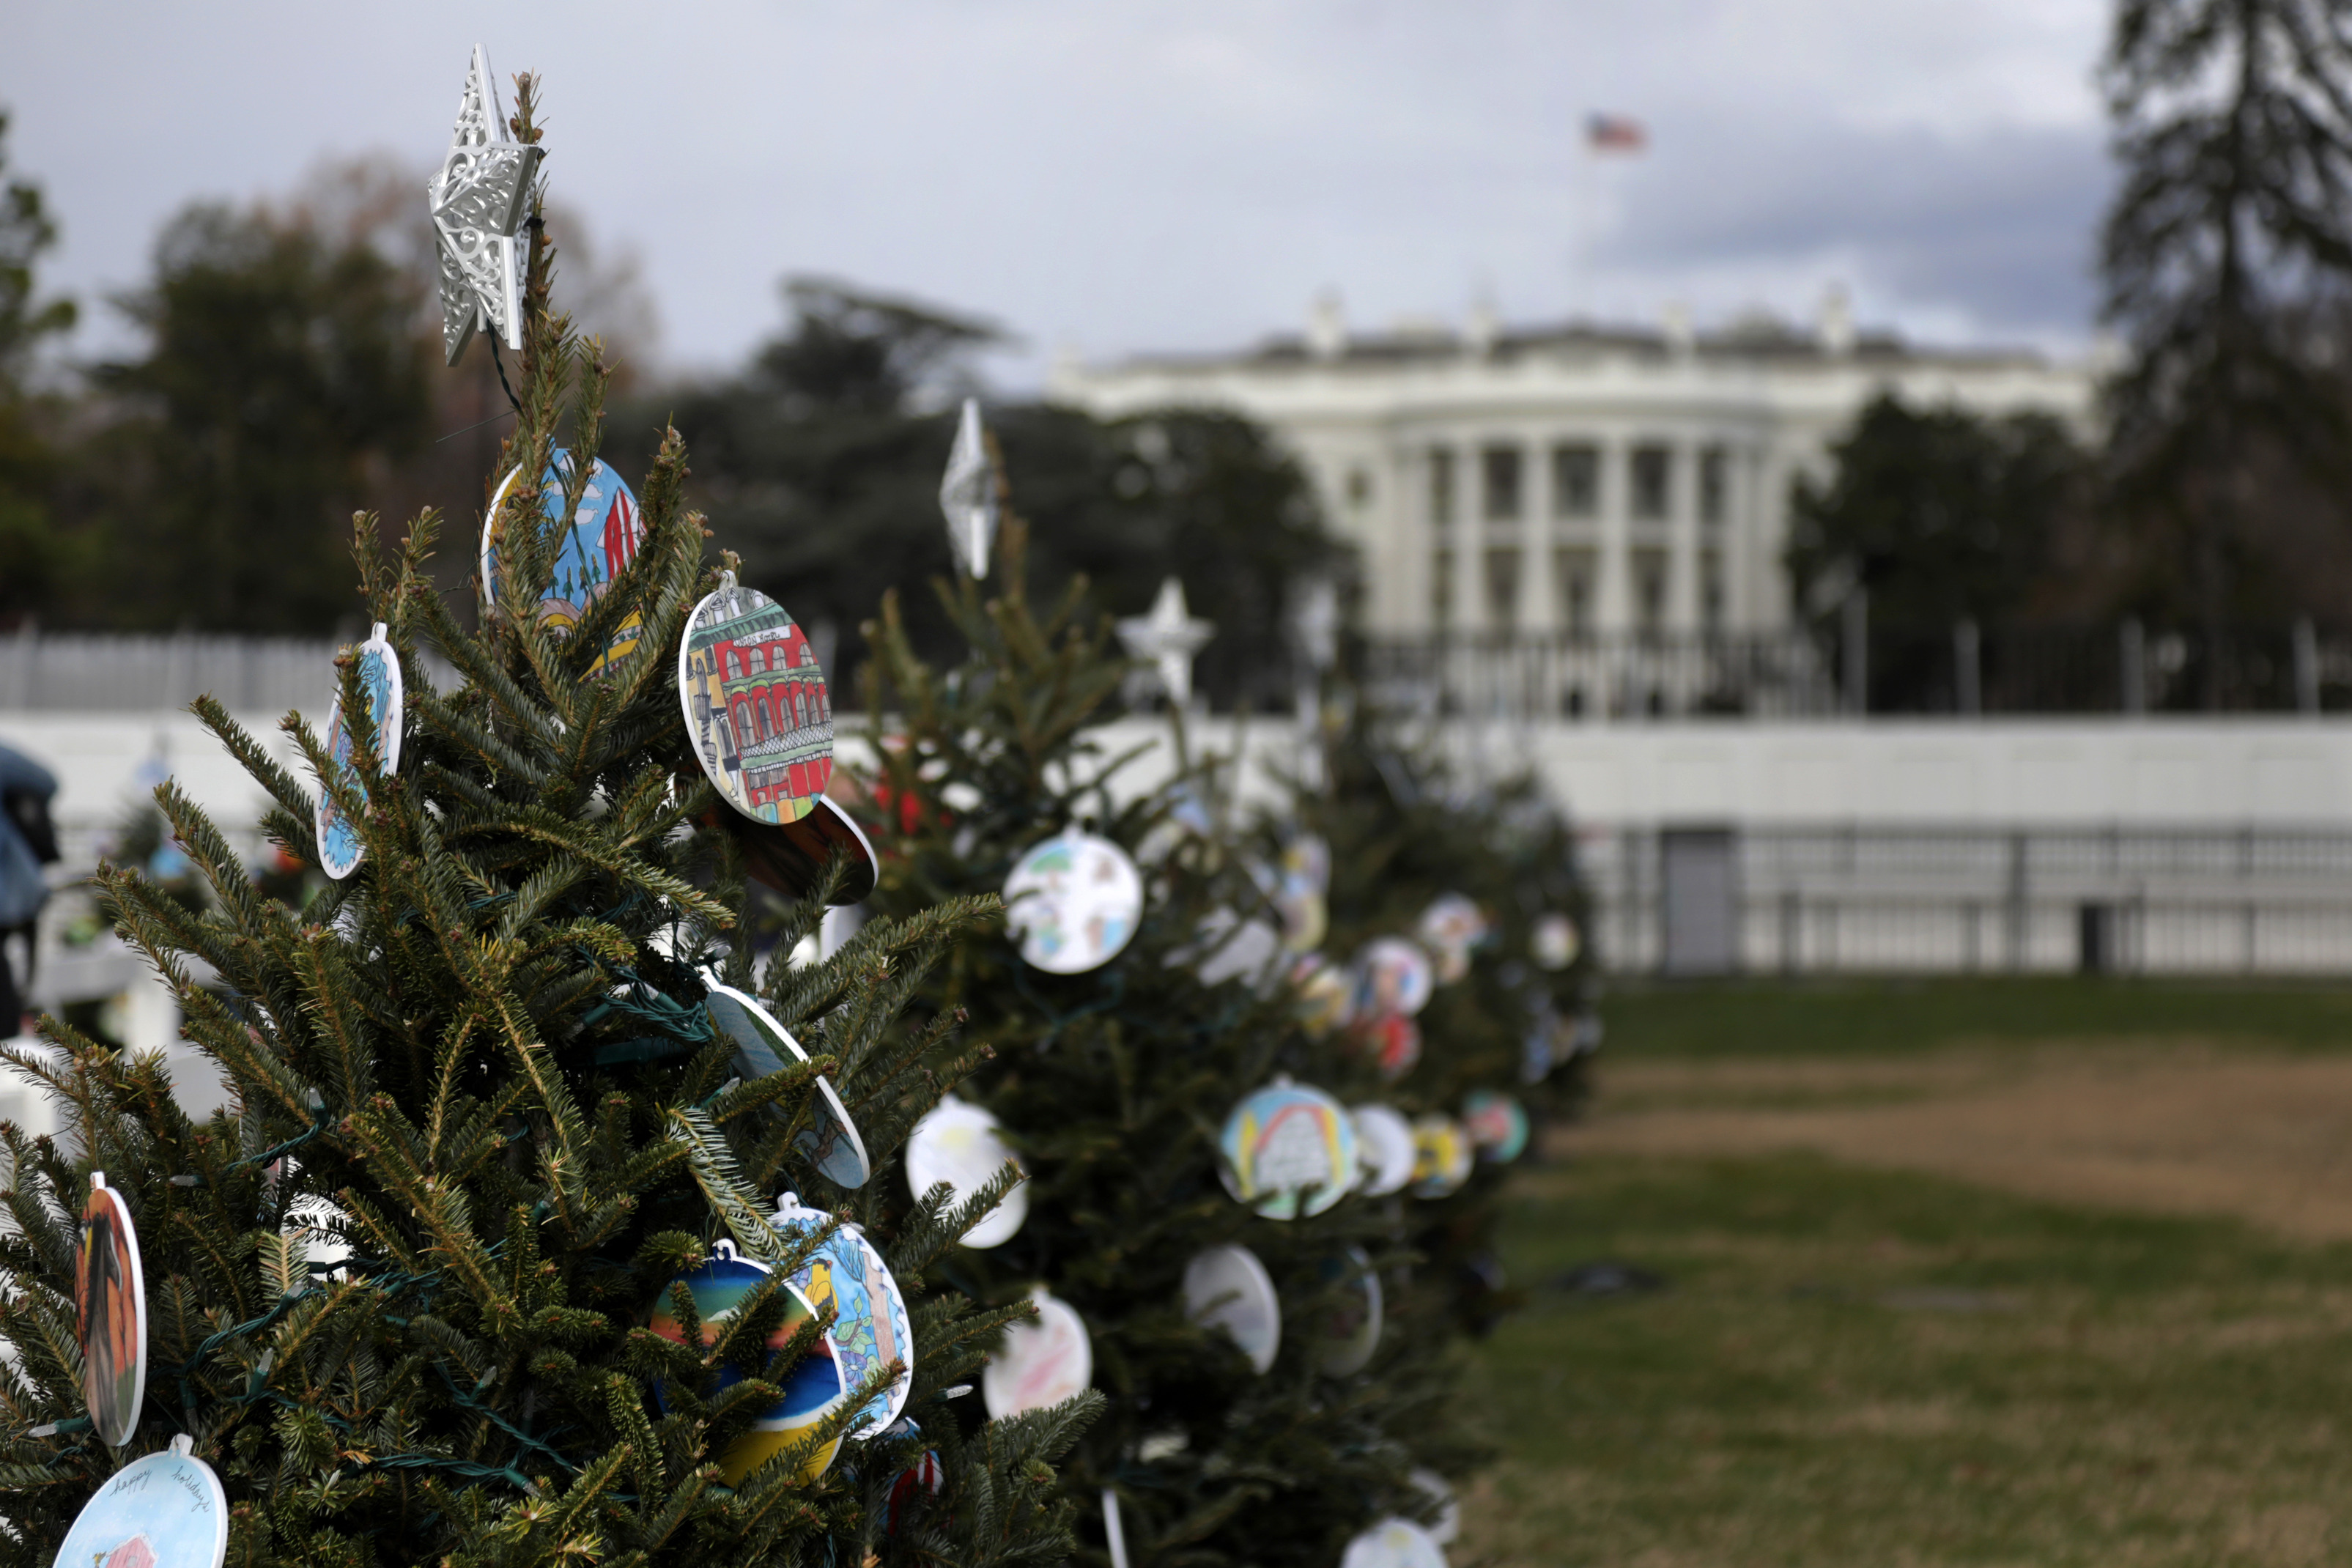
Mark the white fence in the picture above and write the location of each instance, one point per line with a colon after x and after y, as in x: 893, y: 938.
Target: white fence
x: 1924, y: 900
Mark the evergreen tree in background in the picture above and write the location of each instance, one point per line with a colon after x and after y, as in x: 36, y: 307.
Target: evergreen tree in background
x: 2227, y: 254
x: 1404, y: 830
x: 38, y: 564
x: 480, y: 1067
x: 1942, y: 515
x: 283, y: 370
x: 1113, y: 1084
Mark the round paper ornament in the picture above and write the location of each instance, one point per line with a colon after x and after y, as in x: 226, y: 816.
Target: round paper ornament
x: 1393, y: 1042
x: 791, y: 856
x: 339, y: 849
x: 813, y: 1390
x: 1450, y: 928
x: 756, y: 706
x: 1556, y: 942
x: 1350, y: 1329
x: 763, y: 1047
x: 926, y: 1476
x: 1394, y: 1543
x: 1074, y: 903
x: 110, y: 1313
x: 159, y: 1511
x: 1384, y: 1144
x: 1391, y: 975
x: 1442, y: 1156
x: 870, y: 1326
x: 1290, y: 1149
x: 603, y: 538
x: 1041, y: 1363
x: 961, y: 1144
x: 1449, y: 1511
x: 1301, y: 890
x: 1323, y: 996
x: 1497, y: 1123
x: 1227, y: 1287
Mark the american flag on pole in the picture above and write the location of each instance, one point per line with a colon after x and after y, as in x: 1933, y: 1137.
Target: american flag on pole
x: 1614, y: 133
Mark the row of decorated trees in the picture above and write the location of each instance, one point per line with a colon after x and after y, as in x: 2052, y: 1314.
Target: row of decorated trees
x: 1120, y: 1186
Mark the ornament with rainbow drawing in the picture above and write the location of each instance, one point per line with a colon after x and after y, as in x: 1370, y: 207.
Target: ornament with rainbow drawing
x: 1288, y: 1150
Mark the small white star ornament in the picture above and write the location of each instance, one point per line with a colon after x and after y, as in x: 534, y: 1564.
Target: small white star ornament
x: 1169, y: 636
x: 478, y: 200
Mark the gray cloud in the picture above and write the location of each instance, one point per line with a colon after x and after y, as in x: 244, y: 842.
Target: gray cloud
x: 1157, y: 173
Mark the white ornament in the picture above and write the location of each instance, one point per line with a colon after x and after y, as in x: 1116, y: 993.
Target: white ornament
x: 1073, y: 902
x: 967, y: 493
x: 478, y: 200
x: 963, y: 1145
x: 1040, y: 1364
x: 1384, y: 1146
x: 1228, y: 1287
x: 1169, y: 636
x: 1394, y: 1543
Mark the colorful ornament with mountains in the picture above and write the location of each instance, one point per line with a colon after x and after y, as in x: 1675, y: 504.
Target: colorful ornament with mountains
x: 813, y: 1389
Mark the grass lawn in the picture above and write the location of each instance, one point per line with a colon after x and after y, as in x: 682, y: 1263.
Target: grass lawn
x: 1856, y: 1365
x: 1873, y: 1018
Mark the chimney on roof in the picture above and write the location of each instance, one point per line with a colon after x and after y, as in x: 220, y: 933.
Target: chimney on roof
x: 1327, y: 327
x: 1484, y: 327
x: 1837, y: 328
x: 1679, y: 339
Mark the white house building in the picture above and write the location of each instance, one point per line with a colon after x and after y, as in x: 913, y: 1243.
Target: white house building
x: 1579, y: 481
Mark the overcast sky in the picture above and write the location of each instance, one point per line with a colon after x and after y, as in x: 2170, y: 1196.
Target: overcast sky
x: 1120, y: 175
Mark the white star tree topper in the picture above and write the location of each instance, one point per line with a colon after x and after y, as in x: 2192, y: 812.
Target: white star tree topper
x: 1169, y: 636
x: 478, y: 200
x: 967, y: 493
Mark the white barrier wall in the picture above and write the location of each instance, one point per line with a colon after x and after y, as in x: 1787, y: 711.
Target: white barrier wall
x: 2055, y: 772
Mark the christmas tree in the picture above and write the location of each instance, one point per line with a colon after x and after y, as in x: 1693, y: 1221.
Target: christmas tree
x: 486, y: 1124
x: 1118, y: 1082
x: 1482, y: 879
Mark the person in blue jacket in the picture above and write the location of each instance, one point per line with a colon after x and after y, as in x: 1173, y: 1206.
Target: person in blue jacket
x: 27, y: 842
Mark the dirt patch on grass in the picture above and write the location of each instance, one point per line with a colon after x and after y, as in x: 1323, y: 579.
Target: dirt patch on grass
x: 2174, y: 1130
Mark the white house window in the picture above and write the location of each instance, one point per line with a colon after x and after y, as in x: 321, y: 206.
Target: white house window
x: 1572, y: 570
x: 1652, y: 483
x: 1502, y: 588
x: 1650, y: 591
x: 1575, y: 479
x: 1714, y: 464
x: 1499, y: 469
x: 1440, y: 486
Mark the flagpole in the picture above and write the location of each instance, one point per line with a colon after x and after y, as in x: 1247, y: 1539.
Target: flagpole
x: 1583, y: 221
